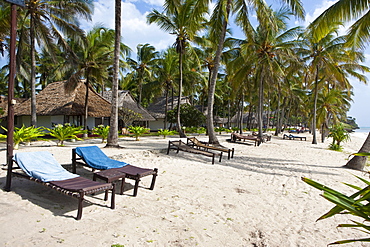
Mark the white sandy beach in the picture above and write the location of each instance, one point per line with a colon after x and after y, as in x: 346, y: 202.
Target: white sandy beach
x: 256, y: 199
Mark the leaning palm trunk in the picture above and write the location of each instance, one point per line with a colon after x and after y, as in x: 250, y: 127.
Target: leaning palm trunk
x: 112, y: 140
x: 359, y: 162
x: 33, y: 72
x: 212, y: 85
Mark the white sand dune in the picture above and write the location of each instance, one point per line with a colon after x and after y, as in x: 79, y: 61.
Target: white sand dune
x: 255, y: 199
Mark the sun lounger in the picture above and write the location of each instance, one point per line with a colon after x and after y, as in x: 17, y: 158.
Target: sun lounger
x: 292, y: 137
x: 42, y: 168
x: 94, y: 158
x: 180, y: 145
x: 238, y: 137
x: 194, y: 142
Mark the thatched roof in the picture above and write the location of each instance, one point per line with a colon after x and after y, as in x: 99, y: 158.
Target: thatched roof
x: 126, y: 100
x: 157, y: 109
x: 53, y: 100
x: 4, y: 104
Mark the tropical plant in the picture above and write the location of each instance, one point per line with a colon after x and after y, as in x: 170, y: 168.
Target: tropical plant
x: 165, y: 132
x: 345, y: 11
x: 112, y: 140
x: 25, y: 134
x: 94, y: 57
x: 356, y: 205
x: 64, y: 132
x: 138, y: 131
x: 47, y: 20
x: 102, y: 131
x: 183, y: 18
x: 339, y: 134
x: 219, y: 23
x: 142, y: 68
x: 190, y: 116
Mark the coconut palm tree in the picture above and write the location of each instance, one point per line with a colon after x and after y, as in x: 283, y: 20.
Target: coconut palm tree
x: 345, y: 11
x: 94, y: 58
x: 142, y: 68
x: 46, y: 22
x: 112, y: 140
x: 182, y: 18
x: 329, y: 60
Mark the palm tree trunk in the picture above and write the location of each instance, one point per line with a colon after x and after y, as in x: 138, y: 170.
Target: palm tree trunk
x: 33, y: 72
x: 359, y: 162
x: 314, y: 141
x: 277, y: 122
x: 112, y: 140
x: 178, y: 120
x: 86, y: 110
x: 165, y: 110
x: 212, y: 86
x: 260, y: 106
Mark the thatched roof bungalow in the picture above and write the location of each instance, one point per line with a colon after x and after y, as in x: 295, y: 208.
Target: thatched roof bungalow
x: 54, y: 105
x: 127, y: 102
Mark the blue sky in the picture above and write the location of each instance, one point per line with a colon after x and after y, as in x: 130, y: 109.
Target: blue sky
x: 135, y: 30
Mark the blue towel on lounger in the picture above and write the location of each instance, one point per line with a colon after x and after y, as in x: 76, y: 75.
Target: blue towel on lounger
x: 43, y: 166
x: 95, y: 158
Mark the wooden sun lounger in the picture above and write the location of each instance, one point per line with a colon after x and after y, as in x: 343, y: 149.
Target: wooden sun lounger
x: 235, y: 137
x: 76, y: 187
x: 292, y: 137
x: 180, y: 145
x: 194, y: 142
x: 128, y: 171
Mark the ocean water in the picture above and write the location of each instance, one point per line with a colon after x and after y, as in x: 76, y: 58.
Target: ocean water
x: 363, y: 129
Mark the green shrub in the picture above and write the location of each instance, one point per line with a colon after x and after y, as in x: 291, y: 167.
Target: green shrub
x: 138, y: 131
x: 25, y: 134
x: 339, y: 134
x: 64, y: 132
x: 165, y: 132
x: 102, y: 131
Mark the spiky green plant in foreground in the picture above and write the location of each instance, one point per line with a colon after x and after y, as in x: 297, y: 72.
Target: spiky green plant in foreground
x: 357, y: 204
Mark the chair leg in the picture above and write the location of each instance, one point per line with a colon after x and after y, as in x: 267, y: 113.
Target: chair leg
x: 113, y: 202
x: 80, y: 205
x: 122, y: 185
x: 154, y: 178
x: 137, y: 180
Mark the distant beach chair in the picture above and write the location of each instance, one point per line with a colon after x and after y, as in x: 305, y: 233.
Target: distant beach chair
x: 255, y: 139
x: 94, y: 158
x: 41, y: 167
x: 194, y: 142
x: 292, y: 137
x: 180, y: 145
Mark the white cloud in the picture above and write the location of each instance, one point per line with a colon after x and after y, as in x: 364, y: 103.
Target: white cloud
x: 135, y: 29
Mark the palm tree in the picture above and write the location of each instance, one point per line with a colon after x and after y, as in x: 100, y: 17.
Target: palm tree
x: 142, y: 68
x: 182, y: 18
x: 269, y: 48
x: 219, y: 22
x: 344, y: 11
x: 47, y: 18
x: 329, y: 60
x: 112, y: 140
x: 359, y: 34
x: 165, y: 72
x: 94, y: 59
